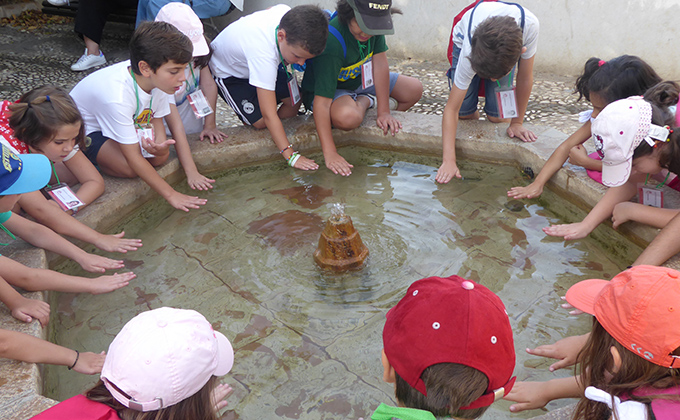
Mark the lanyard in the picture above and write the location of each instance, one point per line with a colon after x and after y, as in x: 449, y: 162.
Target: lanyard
x: 283, y: 63
x: 134, y: 118
x: 498, y: 82
x: 54, y: 170
x: 191, y: 68
x: 3, y: 218
x: 363, y: 49
x: 659, y: 185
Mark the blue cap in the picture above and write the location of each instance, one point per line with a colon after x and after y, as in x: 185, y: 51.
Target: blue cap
x: 22, y: 175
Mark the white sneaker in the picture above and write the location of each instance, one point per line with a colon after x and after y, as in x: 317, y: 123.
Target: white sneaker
x: 87, y: 61
x: 393, y: 102
x: 58, y: 2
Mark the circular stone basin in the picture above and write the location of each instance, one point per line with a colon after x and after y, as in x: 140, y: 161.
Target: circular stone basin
x: 308, y: 341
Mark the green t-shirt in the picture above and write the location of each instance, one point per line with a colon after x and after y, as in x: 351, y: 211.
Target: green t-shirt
x: 333, y: 70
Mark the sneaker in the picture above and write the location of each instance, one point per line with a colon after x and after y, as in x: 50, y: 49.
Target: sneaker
x: 87, y: 61
x: 393, y: 102
x: 58, y: 2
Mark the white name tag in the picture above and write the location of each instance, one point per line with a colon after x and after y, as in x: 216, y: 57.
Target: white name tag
x: 64, y: 196
x: 199, y: 104
x: 507, y: 103
x: 293, y: 90
x: 145, y: 133
x: 650, y: 197
x: 367, y: 74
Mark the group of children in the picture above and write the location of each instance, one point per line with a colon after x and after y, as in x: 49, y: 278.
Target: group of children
x: 448, y: 344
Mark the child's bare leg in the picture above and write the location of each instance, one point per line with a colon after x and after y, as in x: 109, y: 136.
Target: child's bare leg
x: 37, y: 279
x: 651, y: 216
x: 287, y: 109
x: 497, y: 120
x: 347, y: 113
x: 407, y: 91
x: 112, y: 161
x: 473, y: 116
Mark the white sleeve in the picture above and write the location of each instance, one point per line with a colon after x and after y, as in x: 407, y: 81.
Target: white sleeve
x: 531, y: 28
x: 161, y: 103
x: 262, y: 72
x: 115, y: 120
x: 73, y: 153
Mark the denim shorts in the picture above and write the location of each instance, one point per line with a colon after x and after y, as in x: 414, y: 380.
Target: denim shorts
x: 361, y: 91
x: 469, y: 105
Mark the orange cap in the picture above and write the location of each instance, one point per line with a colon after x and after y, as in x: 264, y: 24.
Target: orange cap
x: 639, y: 307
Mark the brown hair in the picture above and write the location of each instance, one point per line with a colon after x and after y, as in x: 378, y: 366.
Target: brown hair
x: 449, y: 386
x: 39, y: 114
x: 597, y: 367
x: 496, y: 47
x: 196, y: 407
x: 157, y: 43
x: 307, y: 27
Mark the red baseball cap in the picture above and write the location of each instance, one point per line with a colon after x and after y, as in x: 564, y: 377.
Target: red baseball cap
x: 638, y: 308
x: 451, y: 320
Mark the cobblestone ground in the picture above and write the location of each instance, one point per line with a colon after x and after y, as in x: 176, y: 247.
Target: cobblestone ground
x: 30, y: 58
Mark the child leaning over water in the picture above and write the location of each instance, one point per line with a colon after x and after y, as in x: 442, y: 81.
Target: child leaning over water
x: 630, y: 363
x: 633, y: 139
x: 601, y: 83
x: 448, y: 348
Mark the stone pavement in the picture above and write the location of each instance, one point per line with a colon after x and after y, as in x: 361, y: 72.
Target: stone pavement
x: 30, y: 58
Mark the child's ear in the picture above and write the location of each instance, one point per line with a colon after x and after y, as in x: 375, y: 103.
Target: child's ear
x: 616, y: 356
x: 281, y: 35
x: 388, y: 370
x: 144, y: 68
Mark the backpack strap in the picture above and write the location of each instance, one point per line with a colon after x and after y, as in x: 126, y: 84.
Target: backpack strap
x: 333, y: 30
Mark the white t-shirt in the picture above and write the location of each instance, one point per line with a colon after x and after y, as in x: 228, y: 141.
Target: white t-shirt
x: 108, y: 102
x: 246, y: 49
x: 464, y: 73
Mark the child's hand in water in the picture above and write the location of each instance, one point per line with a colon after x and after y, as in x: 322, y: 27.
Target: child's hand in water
x: 305, y: 164
x: 199, y: 182
x: 98, y: 264
x: 528, y: 396
x: 106, y: 284
x: 219, y: 396
x: 565, y: 350
x: 569, y: 231
x: 25, y: 309
x: 185, y: 202
x: 532, y: 190
x: 447, y: 172
x: 338, y: 164
x: 90, y: 363
x: 116, y: 243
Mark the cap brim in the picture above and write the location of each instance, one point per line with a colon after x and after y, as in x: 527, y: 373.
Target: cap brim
x: 200, y: 48
x: 617, y: 174
x: 35, y: 174
x: 375, y: 25
x: 225, y: 355
x: 583, y: 294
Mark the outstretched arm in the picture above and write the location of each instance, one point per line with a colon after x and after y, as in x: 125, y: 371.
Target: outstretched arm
x: 209, y: 89
x: 91, y: 181
x: 448, y: 170
x: 531, y: 395
x: 322, y: 121
x: 664, y: 246
x: 525, y: 82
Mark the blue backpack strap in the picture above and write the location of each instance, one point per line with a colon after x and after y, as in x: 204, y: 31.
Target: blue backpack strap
x: 333, y: 30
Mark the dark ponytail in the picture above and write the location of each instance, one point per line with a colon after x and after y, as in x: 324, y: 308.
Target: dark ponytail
x: 616, y: 79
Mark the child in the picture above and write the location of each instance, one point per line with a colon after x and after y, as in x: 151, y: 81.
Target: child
x: 448, y: 349
x: 164, y: 365
x: 199, y: 82
x: 353, y: 75
x: 46, y: 120
x: 601, y: 83
x: 122, y: 106
x: 630, y: 361
x: 630, y: 135
x: 250, y: 62
x: 489, y: 40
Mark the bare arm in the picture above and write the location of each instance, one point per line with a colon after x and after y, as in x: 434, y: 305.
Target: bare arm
x: 449, y: 169
x: 525, y: 82
x: 148, y: 174
x: 26, y: 348
x: 194, y: 178
x: 664, y: 246
x: 322, y: 121
x: 209, y: 89
x: 381, y: 77
x: 531, y: 395
x: 23, y: 309
x: 91, y: 181
x: 554, y: 163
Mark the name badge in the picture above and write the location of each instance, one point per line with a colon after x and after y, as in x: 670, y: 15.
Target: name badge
x: 367, y: 74
x: 199, y: 104
x: 145, y: 133
x: 650, y: 196
x: 293, y: 89
x: 507, y: 103
x: 64, y: 196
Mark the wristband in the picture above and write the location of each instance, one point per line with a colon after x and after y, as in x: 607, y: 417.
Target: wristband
x: 76, y: 361
x: 293, y: 158
x: 290, y: 146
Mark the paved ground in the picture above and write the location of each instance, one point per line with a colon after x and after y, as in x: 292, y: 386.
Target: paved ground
x: 44, y: 53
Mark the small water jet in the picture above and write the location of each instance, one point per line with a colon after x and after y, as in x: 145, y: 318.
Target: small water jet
x: 340, y: 246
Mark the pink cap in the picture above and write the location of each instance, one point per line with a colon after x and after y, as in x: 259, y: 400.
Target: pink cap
x: 617, y: 131
x: 164, y: 356
x: 182, y: 17
x: 451, y: 320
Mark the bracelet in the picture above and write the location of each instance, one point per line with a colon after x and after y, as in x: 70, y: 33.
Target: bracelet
x: 290, y: 146
x: 293, y: 158
x: 74, y: 363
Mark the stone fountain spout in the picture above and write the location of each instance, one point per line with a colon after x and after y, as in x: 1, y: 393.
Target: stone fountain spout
x: 340, y: 246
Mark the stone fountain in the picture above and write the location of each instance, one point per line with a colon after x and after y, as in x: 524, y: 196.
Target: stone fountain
x: 340, y: 246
